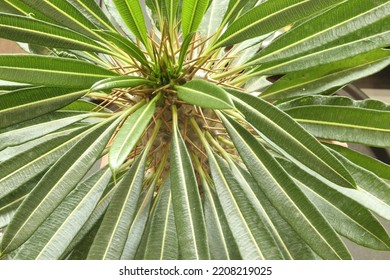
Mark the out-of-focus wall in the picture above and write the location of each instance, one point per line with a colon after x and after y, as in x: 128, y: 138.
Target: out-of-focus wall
x: 9, y: 47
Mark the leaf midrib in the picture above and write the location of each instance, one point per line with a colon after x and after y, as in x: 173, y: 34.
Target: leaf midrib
x: 312, y: 36
x: 184, y: 188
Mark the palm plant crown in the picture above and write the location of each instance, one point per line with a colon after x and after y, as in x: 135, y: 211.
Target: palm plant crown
x: 191, y: 129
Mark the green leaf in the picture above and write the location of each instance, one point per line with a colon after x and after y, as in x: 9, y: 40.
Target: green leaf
x: 373, y: 192
x: 346, y: 216
x: 253, y: 238
x: 80, y: 252
x: 287, y: 137
x: 171, y: 7
x: 129, y: 134
x: 131, y: 13
x: 204, y: 94
x: 237, y: 7
x: 344, y: 101
x: 213, y: 18
x: 57, y: 183
x: 284, y: 195
x: 321, y: 78
x: 192, y: 14
x: 19, y: 7
x: 29, y: 30
x: 376, y: 166
x: 25, y: 104
x: 183, y: 50
x: 112, y: 236
x: 10, y: 202
x: 85, y: 106
x: 19, y: 136
x: 119, y: 82
x: 187, y: 206
x: 138, y: 226
x: 125, y: 45
x: 6, y: 86
x: 62, y: 13
x: 347, y: 124
x: 57, y: 231
x: 93, y: 223
x: 162, y: 240
x: 24, y: 163
x: 270, y: 16
x: 8, y: 8
x: 220, y: 238
x: 347, y: 30
x: 94, y: 13
x: 290, y: 243
x: 51, y: 71
x: 117, y: 19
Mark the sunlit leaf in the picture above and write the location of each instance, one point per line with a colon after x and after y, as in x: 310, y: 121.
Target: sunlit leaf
x: 51, y: 71
x: 292, y: 140
x: 28, y: 30
x: 186, y: 202
x: 111, y: 238
x: 192, y: 14
x: 57, y: 183
x: 58, y: 230
x: 205, y: 95
x: 285, y: 196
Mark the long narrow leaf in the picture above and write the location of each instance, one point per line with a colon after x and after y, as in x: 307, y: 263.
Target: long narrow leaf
x: 330, y: 36
x: 376, y: 166
x: 21, y: 166
x: 324, y: 77
x: 344, y: 101
x: 192, y: 14
x: 51, y: 71
x: 62, y: 13
x: 91, y: 10
x: 186, y: 202
x: 370, y: 127
x: 114, y: 15
x: 252, y: 237
x: 270, y: 16
x: 10, y: 202
x: 57, y: 231
x: 57, y: 183
x: 286, y: 197
x: 131, y: 13
x: 125, y: 45
x: 119, y: 82
x: 374, y: 193
x: 138, y: 226
x: 283, y: 133
x: 112, y: 236
x: 184, y: 48
x: 91, y: 226
x: 171, y: 7
x: 129, y: 134
x: 19, y: 7
x: 162, y: 240
x: 221, y: 240
x: 204, y: 94
x: 213, y: 18
x: 24, y: 104
x: 346, y: 216
x: 29, y: 30
x: 19, y: 136
x: 289, y: 241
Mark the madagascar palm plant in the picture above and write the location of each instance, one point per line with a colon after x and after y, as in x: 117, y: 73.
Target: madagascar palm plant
x: 191, y: 129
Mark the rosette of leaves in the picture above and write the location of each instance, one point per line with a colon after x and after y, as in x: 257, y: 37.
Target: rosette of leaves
x: 191, y: 129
